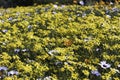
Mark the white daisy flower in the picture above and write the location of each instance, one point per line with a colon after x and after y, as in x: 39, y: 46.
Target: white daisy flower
x: 104, y: 65
x: 81, y: 3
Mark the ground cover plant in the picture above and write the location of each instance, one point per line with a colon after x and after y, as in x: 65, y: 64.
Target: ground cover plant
x: 60, y: 42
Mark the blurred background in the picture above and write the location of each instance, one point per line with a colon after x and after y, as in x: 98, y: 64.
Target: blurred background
x: 14, y: 3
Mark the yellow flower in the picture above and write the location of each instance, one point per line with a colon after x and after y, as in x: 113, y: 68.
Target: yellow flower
x: 86, y: 72
x: 75, y: 76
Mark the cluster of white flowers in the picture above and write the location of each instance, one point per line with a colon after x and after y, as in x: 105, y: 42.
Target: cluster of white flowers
x: 7, y: 73
x: 13, y: 72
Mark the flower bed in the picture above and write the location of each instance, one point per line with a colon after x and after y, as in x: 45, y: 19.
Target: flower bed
x: 60, y: 42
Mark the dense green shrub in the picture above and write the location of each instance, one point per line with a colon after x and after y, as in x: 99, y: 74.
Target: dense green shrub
x: 60, y: 42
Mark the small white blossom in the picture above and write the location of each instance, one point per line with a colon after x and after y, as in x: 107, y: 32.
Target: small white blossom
x: 55, y: 6
x: 119, y: 65
x: 10, y: 18
x: 4, y: 43
x: 95, y: 72
x: 3, y: 68
x: 115, y: 9
x: 13, y: 72
x: 54, y: 12
x: 29, y: 26
x: 78, y: 14
x: 24, y: 50
x: 62, y: 6
x: 86, y: 39
x: 97, y: 49
x: 66, y: 63
x: 111, y: 3
x: 104, y: 65
x: 17, y: 50
x: 47, y: 78
x: 52, y: 51
x: 5, y: 30
x: 108, y: 16
x: 81, y: 3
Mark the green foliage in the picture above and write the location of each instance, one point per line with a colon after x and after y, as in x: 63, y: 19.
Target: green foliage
x: 65, y: 42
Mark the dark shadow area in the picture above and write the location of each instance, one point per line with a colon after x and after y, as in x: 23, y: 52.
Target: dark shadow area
x: 14, y: 3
